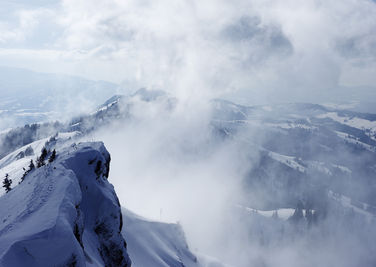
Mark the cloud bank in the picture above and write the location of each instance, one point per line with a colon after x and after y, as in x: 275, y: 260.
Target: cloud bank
x: 252, y: 51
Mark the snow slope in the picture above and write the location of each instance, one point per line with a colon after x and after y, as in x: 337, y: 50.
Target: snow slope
x: 14, y: 162
x: 65, y: 213
x: 156, y: 244
x: 283, y: 213
x: 287, y: 160
x: 354, y: 140
x: 355, y: 122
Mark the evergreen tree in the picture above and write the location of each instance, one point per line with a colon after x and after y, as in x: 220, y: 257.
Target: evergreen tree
x: 298, y: 213
x: 53, y: 156
x: 23, y: 176
x: 309, y: 216
x: 44, y: 153
x: 31, y: 166
x: 40, y: 160
x: 7, y: 183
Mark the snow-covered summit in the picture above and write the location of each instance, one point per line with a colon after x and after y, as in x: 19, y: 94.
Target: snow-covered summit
x: 65, y: 213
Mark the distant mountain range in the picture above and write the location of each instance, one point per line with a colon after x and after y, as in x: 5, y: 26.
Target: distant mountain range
x: 308, y: 165
x: 27, y: 96
x: 299, y: 140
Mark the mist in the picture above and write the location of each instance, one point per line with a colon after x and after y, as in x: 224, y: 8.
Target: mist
x: 190, y: 157
x: 248, y: 51
x: 166, y: 166
x: 174, y: 165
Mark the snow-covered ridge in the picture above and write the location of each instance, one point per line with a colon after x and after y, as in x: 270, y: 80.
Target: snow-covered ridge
x: 355, y: 122
x: 283, y: 214
x: 359, y: 123
x: 15, y: 162
x: 291, y: 125
x: 354, y: 140
x: 65, y: 213
x: 36, y: 146
x: 287, y: 160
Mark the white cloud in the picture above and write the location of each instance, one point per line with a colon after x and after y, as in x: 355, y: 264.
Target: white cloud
x: 259, y: 49
x: 25, y: 24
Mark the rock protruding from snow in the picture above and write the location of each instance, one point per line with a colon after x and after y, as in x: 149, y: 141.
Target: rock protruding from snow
x: 64, y: 214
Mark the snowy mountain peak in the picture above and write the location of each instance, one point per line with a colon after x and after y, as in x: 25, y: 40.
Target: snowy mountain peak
x: 65, y: 213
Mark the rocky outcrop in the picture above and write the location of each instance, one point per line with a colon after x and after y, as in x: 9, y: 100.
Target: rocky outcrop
x: 65, y: 213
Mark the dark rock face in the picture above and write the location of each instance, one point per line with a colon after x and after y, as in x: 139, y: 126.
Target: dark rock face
x: 100, y: 205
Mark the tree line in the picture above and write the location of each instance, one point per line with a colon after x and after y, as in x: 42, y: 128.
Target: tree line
x: 41, y: 161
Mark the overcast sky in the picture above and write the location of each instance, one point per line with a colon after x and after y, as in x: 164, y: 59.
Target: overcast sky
x: 263, y: 50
